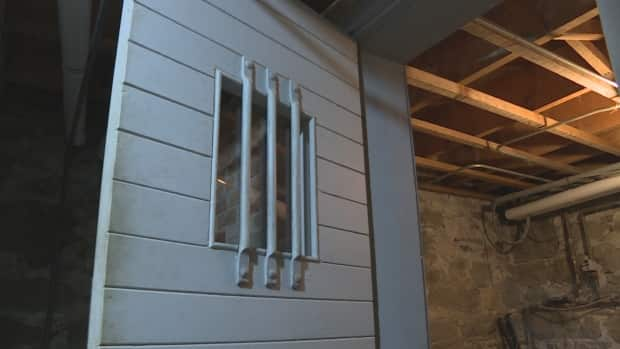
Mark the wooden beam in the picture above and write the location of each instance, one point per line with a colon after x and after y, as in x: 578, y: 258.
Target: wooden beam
x: 562, y: 100
x: 568, y: 26
x: 456, y: 191
x: 595, y: 58
x: 479, y: 143
x: 580, y: 37
x: 500, y: 37
x: 480, y: 175
x: 447, y: 88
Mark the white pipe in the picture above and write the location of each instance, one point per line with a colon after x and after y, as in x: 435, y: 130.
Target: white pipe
x: 74, y: 17
x: 566, y: 198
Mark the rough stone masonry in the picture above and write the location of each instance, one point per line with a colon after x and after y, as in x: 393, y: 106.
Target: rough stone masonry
x: 469, y: 285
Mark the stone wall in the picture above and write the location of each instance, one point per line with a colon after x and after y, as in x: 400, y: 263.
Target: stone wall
x: 470, y: 285
x: 31, y: 151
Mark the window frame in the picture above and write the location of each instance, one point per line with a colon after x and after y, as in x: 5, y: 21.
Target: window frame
x: 309, y: 189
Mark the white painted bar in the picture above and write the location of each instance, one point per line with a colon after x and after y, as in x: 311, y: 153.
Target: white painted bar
x: 295, y: 187
x: 271, y: 263
x: 158, y: 165
x: 214, y: 159
x: 243, y: 253
x: 151, y: 264
x: 312, y: 188
x: 159, y: 317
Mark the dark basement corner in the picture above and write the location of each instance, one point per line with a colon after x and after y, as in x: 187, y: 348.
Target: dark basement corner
x: 47, y: 246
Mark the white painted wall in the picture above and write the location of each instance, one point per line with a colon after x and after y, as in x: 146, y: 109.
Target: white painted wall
x: 156, y: 282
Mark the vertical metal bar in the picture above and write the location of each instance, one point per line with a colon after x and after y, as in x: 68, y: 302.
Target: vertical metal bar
x: 295, y: 212
x: 215, y: 153
x: 271, y: 262
x: 311, y: 188
x: 243, y: 256
x: 302, y: 194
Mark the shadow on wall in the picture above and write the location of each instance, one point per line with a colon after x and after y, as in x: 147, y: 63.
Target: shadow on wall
x: 470, y: 285
x: 31, y: 151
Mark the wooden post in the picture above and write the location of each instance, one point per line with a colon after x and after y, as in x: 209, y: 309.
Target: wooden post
x: 396, y: 236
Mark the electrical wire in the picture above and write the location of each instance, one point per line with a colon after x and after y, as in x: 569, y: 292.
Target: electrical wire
x: 499, y: 244
x: 524, y: 234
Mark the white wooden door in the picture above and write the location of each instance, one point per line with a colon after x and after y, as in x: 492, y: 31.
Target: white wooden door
x: 158, y: 283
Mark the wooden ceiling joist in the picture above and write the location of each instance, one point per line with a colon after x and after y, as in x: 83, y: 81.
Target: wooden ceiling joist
x: 580, y: 37
x: 595, y: 58
x: 480, y: 175
x: 450, y: 89
x: 456, y: 191
x: 563, y: 29
x: 562, y: 100
x: 479, y: 143
x: 500, y: 37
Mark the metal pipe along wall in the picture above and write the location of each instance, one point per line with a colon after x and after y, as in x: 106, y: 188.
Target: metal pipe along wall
x: 565, y: 199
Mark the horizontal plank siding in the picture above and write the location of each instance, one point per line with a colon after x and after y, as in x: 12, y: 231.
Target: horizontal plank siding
x: 220, y: 27
x: 151, y: 264
x: 344, y: 247
x: 332, y: 116
x: 158, y: 165
x: 185, y: 47
x: 262, y: 17
x: 341, y: 181
x: 341, y: 213
x: 162, y: 76
x: 168, y: 38
x: 312, y: 22
x: 156, y: 214
x: 341, y: 343
x: 157, y: 118
x: 145, y: 317
x: 163, y: 286
x: 338, y: 149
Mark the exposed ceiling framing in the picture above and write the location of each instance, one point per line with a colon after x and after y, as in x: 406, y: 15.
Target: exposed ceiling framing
x: 531, y: 91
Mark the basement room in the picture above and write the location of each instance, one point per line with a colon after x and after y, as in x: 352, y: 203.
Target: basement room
x: 517, y: 135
